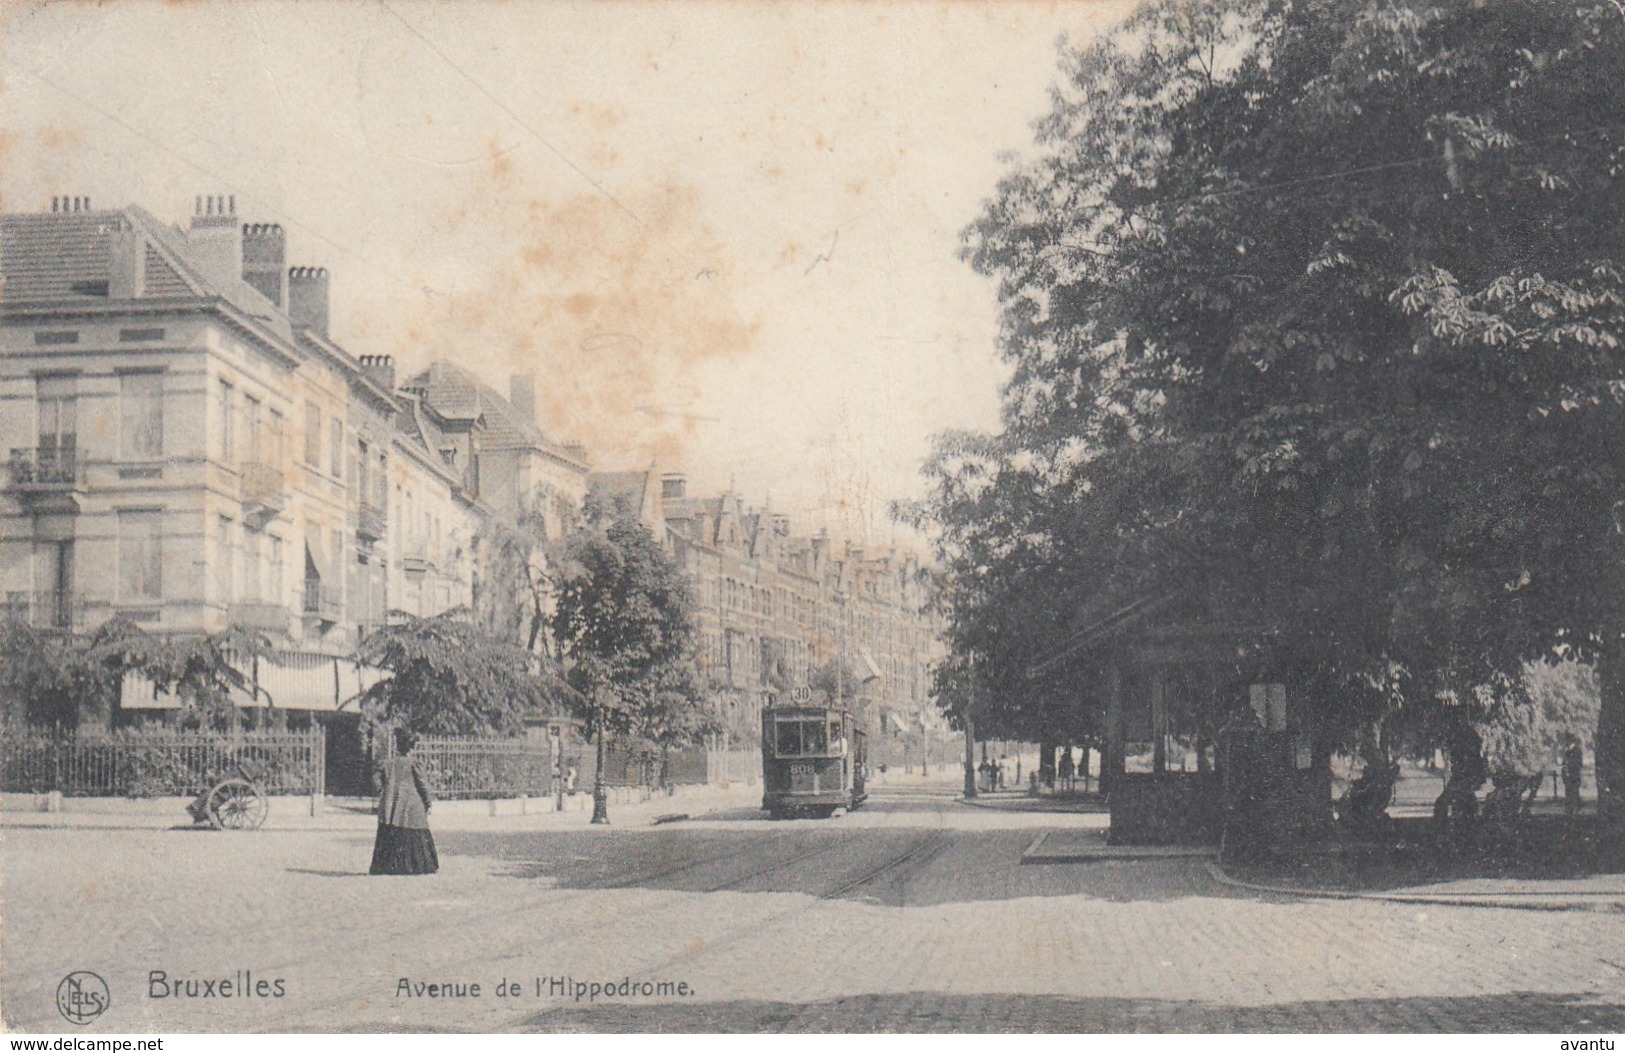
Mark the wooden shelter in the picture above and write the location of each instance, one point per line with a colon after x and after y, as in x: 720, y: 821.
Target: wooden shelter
x: 1205, y: 724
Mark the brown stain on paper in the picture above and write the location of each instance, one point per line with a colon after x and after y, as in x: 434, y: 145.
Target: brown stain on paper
x: 614, y: 303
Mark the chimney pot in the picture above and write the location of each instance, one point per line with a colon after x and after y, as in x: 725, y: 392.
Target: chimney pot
x: 265, y: 261
x: 308, y: 298
x: 380, y: 369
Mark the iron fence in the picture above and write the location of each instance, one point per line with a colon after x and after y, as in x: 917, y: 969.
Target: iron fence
x: 481, y: 768
x: 141, y: 763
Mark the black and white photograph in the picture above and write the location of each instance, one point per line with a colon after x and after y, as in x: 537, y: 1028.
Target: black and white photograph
x: 936, y: 518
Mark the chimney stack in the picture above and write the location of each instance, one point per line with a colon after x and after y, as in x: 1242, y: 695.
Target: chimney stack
x: 216, y: 240
x: 380, y: 369
x: 265, y: 261
x: 62, y: 203
x: 673, y: 486
x: 307, y: 299
x: 522, y: 393
x: 127, y: 263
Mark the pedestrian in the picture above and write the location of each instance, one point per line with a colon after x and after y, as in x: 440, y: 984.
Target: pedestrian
x: 1573, y: 768
x: 1002, y: 773
x: 1066, y: 769
x: 1457, y: 807
x: 404, y: 844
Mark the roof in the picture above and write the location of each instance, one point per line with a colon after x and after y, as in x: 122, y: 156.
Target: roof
x: 67, y: 257
x: 417, y: 429
x: 457, y: 395
x: 622, y: 490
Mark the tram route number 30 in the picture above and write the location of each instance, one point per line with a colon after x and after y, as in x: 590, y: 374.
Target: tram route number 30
x: 803, y: 769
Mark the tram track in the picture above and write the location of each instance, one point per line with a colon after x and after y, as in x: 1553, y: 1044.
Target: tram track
x: 914, y: 856
x: 905, y: 863
x: 910, y: 861
x: 579, y: 894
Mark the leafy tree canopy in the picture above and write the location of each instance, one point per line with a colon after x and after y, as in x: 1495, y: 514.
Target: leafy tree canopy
x: 450, y: 678
x: 624, y: 624
x: 1318, y: 304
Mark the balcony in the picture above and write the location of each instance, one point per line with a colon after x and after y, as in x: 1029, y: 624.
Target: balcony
x: 371, y: 522
x: 264, y: 492
x: 415, y: 556
x: 266, y: 617
x: 322, y: 602
x: 54, y: 609
x: 47, y: 475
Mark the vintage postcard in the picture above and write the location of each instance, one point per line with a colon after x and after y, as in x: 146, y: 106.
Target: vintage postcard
x: 935, y: 517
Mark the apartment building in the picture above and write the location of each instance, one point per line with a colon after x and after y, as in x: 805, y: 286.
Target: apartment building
x: 189, y: 448
x: 772, y: 607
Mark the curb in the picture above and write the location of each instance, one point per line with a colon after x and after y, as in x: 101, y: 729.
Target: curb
x: 1033, y: 856
x: 979, y: 803
x: 1605, y: 903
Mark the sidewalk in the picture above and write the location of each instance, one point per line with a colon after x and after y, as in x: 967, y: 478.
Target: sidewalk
x: 1603, y: 893
x: 355, y: 814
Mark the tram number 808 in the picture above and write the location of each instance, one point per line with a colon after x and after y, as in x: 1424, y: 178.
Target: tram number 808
x: 803, y: 769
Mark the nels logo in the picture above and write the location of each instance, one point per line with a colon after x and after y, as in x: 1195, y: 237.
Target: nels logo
x: 81, y: 997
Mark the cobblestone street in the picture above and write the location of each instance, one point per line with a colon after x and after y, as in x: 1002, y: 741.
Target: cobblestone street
x: 913, y: 913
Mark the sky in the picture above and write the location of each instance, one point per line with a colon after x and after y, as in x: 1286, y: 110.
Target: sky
x: 723, y: 236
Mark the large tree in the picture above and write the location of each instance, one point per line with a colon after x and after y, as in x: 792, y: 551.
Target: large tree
x: 449, y: 677
x: 624, y: 624
x: 1321, y: 302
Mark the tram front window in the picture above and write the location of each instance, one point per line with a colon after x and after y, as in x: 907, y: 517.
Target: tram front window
x: 800, y: 737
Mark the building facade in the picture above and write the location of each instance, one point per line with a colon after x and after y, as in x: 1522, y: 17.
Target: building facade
x: 189, y: 448
x: 777, y: 613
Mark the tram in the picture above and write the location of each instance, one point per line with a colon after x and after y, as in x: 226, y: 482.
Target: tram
x: 813, y: 761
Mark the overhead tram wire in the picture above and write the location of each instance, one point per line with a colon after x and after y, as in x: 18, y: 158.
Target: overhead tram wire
x: 505, y: 108
x: 230, y: 184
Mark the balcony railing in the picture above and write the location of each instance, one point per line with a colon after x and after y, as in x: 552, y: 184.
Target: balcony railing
x: 264, y: 491
x: 44, y: 468
x: 371, y: 522
x: 270, y: 617
x: 322, y: 601
x: 52, y: 609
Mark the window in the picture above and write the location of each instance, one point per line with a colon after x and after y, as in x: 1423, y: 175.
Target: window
x: 57, y: 406
x: 141, y: 415
x: 140, y: 336
x: 251, y: 421
x: 140, y: 557
x: 802, y: 736
x: 338, y: 563
x: 273, y: 448
x: 250, y: 549
x: 228, y: 422
x: 275, y: 595
x: 53, y: 574
x: 223, y: 559
x: 363, y: 474
x: 313, y: 434
x: 50, y: 339
x: 335, y: 453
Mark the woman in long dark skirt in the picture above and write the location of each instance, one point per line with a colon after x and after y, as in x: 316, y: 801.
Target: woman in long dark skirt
x: 404, y: 844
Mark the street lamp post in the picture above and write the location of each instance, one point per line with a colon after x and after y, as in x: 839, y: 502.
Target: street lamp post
x: 970, y: 729
x: 600, y: 789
